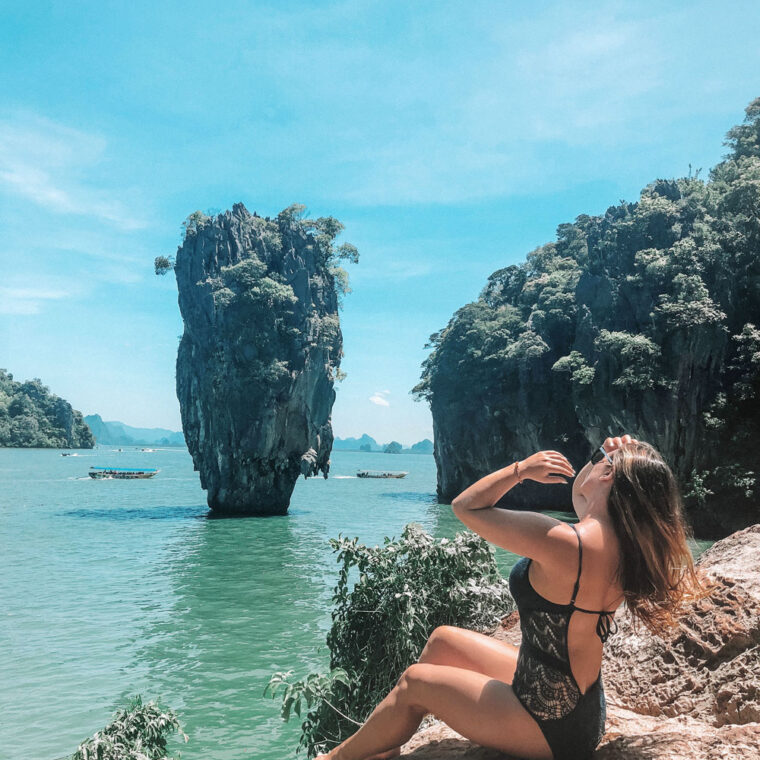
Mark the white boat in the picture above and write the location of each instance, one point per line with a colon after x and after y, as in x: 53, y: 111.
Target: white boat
x: 380, y: 474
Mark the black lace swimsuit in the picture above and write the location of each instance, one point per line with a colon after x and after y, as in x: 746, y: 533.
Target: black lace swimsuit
x: 572, y: 722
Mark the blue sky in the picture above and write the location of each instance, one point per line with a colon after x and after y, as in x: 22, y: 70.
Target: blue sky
x: 450, y: 138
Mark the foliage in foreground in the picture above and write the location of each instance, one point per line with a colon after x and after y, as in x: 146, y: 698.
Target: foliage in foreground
x: 404, y: 590
x: 137, y: 732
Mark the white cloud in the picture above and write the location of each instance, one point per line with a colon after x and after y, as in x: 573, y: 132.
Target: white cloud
x: 47, y: 163
x: 379, y: 398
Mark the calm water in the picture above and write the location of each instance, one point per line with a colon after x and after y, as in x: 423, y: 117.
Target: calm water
x: 111, y: 588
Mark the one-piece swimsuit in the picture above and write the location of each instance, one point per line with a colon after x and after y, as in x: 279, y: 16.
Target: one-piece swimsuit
x: 572, y: 721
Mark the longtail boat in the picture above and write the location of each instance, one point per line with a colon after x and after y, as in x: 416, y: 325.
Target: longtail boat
x: 121, y: 473
x: 380, y: 474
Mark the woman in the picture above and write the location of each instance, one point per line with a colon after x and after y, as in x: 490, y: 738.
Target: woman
x: 545, y: 700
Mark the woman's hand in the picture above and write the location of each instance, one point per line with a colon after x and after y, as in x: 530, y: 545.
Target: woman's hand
x: 611, y: 444
x: 547, y: 467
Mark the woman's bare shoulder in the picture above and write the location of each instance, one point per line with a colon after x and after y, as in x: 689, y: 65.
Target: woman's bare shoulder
x: 601, y: 560
x: 555, y: 579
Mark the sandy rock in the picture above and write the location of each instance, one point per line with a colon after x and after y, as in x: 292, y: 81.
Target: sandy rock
x: 694, y: 695
x: 709, y: 668
x: 629, y: 736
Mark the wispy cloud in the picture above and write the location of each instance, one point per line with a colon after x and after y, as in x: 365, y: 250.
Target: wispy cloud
x: 27, y: 300
x: 379, y: 398
x: 47, y: 163
x: 416, y: 125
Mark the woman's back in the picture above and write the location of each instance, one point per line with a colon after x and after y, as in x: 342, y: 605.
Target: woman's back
x: 560, y: 605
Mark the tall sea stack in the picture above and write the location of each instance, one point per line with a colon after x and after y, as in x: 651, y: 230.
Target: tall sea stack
x: 260, y: 352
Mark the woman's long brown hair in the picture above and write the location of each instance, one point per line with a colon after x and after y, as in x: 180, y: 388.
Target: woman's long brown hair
x: 656, y: 569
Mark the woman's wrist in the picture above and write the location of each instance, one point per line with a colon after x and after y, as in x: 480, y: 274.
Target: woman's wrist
x: 516, y: 472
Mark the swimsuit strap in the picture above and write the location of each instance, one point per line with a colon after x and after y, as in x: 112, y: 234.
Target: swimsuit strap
x: 580, y: 566
x: 606, y: 617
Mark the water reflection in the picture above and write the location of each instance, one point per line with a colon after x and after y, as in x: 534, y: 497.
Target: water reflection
x: 139, y: 513
x: 246, y: 602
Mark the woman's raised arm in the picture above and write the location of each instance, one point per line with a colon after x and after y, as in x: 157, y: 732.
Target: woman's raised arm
x: 543, y: 466
x: 530, y: 534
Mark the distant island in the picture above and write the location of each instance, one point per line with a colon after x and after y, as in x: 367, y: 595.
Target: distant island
x: 120, y: 434
x: 33, y: 417
x: 367, y: 443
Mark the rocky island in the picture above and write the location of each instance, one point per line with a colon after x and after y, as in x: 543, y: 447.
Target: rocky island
x: 260, y: 352
x: 644, y: 320
x: 33, y: 417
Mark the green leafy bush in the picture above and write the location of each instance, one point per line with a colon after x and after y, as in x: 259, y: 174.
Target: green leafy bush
x: 137, y: 732
x: 381, y: 622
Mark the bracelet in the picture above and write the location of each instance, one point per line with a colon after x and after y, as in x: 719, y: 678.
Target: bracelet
x: 517, y: 472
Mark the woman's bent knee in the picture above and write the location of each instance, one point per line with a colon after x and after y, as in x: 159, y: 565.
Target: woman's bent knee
x: 441, y: 636
x: 412, y: 680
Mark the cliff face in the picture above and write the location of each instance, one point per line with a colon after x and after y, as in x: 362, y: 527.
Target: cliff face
x: 259, y: 354
x: 33, y: 417
x: 692, y: 696
x: 645, y: 320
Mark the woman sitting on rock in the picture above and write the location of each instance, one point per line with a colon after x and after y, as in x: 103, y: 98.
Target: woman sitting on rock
x: 545, y: 700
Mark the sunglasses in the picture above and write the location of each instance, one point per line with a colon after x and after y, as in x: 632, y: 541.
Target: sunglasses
x: 600, y: 454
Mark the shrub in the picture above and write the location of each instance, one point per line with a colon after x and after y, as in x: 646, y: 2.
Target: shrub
x: 137, y: 732
x: 404, y: 590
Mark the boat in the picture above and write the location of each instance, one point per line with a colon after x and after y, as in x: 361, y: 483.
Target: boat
x: 121, y: 473
x: 380, y: 474
x: 151, y: 450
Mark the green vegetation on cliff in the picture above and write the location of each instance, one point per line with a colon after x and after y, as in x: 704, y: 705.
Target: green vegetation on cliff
x: 644, y: 320
x: 260, y: 352
x: 32, y: 417
x: 405, y: 589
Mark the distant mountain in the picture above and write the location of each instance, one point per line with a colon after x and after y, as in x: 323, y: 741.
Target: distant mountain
x: 367, y: 443
x: 119, y: 434
x: 356, y: 444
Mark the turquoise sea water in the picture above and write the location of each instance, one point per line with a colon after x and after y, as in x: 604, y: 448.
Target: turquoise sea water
x: 111, y: 588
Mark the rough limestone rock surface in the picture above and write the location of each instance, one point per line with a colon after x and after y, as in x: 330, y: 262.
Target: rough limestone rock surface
x: 642, y: 320
x: 692, y: 696
x: 258, y: 357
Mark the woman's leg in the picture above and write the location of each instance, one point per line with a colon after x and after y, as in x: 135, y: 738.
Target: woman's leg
x: 461, y: 648
x: 480, y: 708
